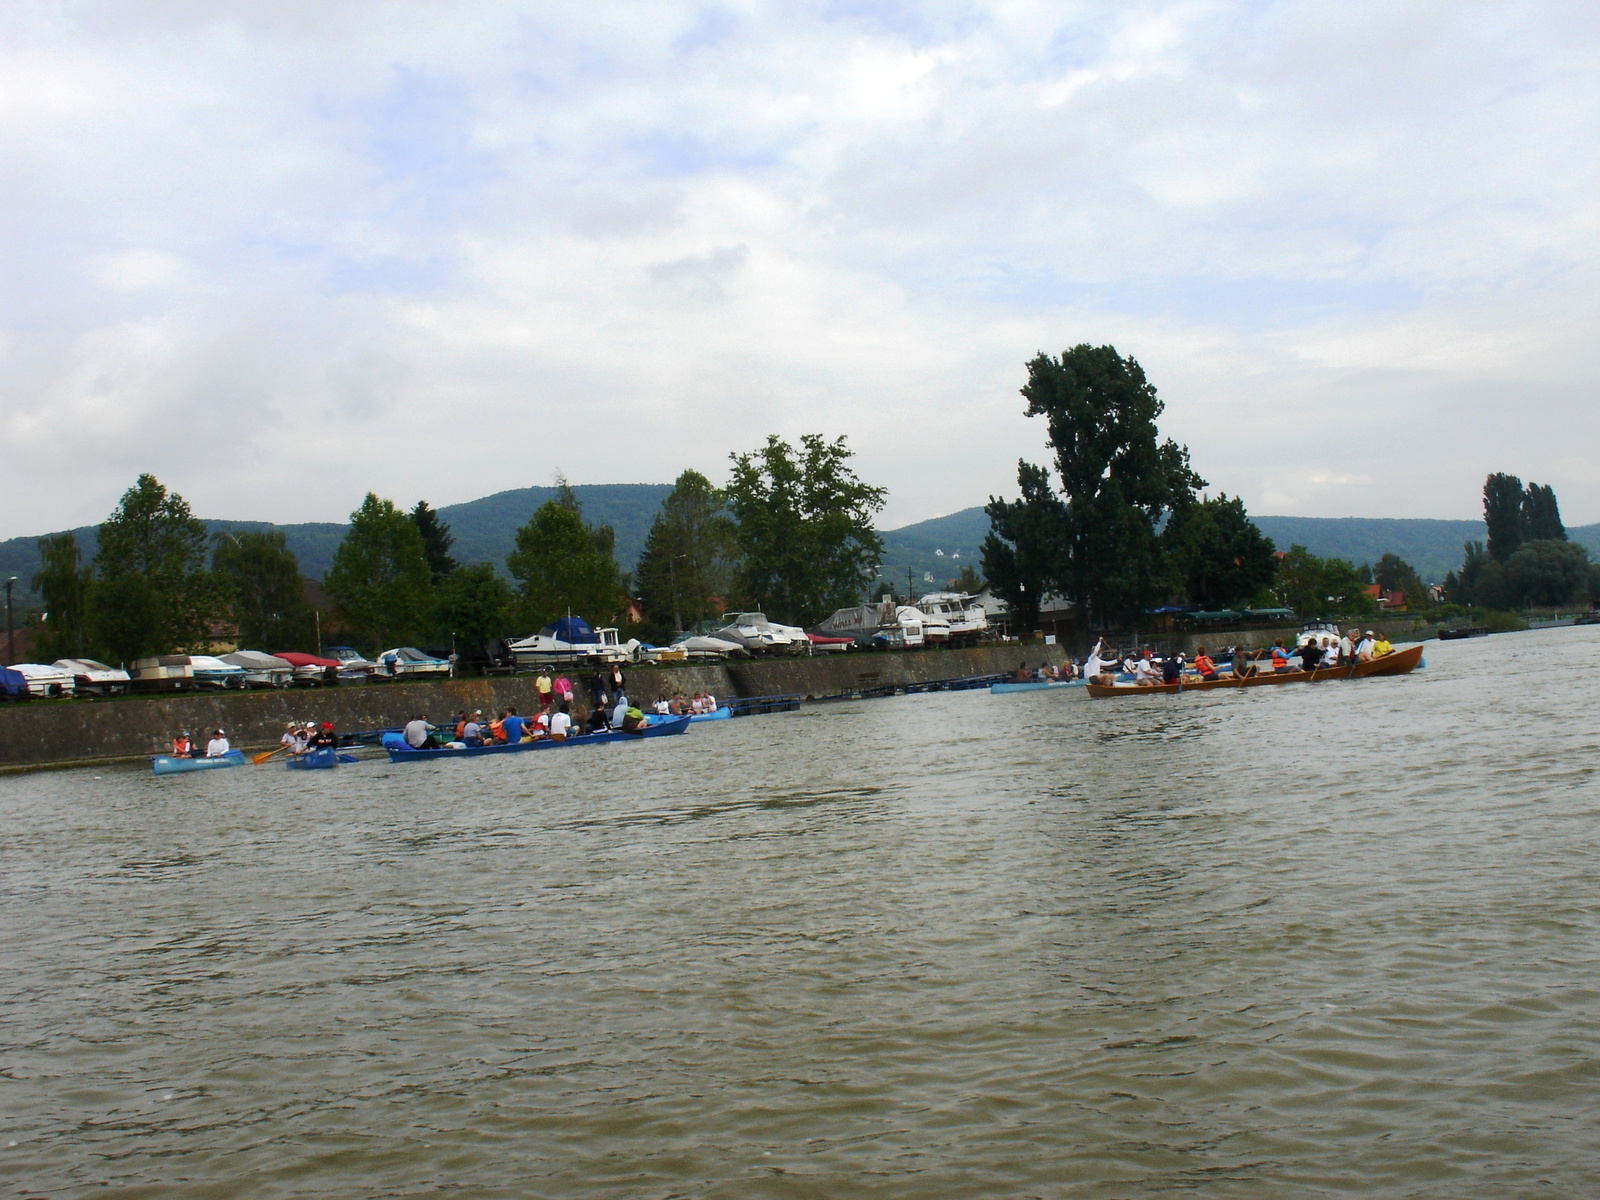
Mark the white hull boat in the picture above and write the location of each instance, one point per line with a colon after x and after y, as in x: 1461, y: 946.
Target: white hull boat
x: 93, y: 678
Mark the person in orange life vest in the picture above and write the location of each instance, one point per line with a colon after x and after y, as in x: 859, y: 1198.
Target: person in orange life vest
x: 1203, y: 664
x: 1280, y: 657
x: 182, y: 747
x: 497, y: 727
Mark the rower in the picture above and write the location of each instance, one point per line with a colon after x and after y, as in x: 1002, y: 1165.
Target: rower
x: 1310, y: 655
x: 325, y: 738
x: 1280, y: 657
x: 217, y: 747
x: 1094, y: 667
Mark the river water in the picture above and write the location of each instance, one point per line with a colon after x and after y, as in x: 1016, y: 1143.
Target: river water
x: 1338, y: 940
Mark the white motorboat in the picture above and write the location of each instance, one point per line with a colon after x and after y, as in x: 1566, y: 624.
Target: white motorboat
x: 162, y: 673
x: 709, y: 647
x: 45, y: 680
x: 262, y: 670
x: 213, y: 674
x: 93, y: 678
x: 407, y: 662
x: 965, y: 621
x: 757, y: 634
x: 352, y: 664
x: 571, y: 640
x: 867, y: 624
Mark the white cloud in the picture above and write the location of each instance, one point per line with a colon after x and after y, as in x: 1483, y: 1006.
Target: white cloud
x: 259, y: 247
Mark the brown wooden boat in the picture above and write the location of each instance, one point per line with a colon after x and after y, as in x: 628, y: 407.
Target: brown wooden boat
x: 1399, y: 663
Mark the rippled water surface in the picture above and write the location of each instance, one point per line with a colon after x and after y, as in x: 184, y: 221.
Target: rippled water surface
x: 1300, y: 941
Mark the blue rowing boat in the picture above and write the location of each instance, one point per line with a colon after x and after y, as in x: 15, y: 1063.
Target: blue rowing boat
x: 724, y: 713
x: 1034, y: 685
x: 318, y: 760
x: 398, y: 751
x: 170, y: 764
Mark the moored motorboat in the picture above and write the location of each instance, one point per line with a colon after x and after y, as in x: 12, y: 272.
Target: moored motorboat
x: 162, y: 673
x: 262, y: 670
x: 171, y: 764
x: 45, y: 680
x: 572, y: 640
x: 94, y: 678
x: 212, y: 673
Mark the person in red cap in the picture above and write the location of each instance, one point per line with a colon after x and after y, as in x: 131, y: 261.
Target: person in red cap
x: 325, y: 739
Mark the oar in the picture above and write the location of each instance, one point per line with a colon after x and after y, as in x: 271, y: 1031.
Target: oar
x: 258, y: 759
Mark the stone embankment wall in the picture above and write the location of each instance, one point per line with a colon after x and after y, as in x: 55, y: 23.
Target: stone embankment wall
x: 46, y: 733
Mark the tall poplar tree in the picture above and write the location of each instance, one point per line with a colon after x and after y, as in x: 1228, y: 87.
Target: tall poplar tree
x: 563, y: 566
x: 380, y: 575
x: 689, y: 557
x: 1502, y: 513
x: 64, y: 584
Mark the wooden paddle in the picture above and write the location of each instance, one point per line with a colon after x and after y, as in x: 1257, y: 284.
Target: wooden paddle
x: 258, y: 759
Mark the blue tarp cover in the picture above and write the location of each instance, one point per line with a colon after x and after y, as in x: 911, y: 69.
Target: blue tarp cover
x: 13, y: 683
x: 574, y: 631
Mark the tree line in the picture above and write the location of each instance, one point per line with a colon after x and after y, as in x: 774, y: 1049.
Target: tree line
x: 791, y: 534
x: 1528, y: 561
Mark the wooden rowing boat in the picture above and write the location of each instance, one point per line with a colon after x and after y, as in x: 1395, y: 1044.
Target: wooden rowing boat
x: 1399, y: 663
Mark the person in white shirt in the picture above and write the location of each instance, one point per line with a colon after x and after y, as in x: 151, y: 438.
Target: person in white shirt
x: 417, y: 730
x: 1347, y: 647
x: 709, y: 703
x: 1330, y: 652
x: 1094, y: 666
x: 560, y: 724
x: 1145, y: 673
x: 218, y: 745
x: 661, y: 706
x: 290, y: 740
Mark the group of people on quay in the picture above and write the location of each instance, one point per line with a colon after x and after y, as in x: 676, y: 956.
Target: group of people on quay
x: 1146, y: 668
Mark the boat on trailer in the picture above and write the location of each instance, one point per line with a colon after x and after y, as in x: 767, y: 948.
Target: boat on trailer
x: 399, y: 751
x: 1401, y: 662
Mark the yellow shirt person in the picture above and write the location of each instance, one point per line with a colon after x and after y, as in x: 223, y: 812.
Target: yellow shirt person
x: 1381, y: 647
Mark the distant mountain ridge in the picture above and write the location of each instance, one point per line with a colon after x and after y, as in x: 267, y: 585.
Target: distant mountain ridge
x: 932, y: 552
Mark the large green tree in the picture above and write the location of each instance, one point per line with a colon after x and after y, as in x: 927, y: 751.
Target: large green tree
x: 152, y: 592
x: 689, y: 557
x: 1548, y: 573
x: 805, y: 535
x: 1541, y: 515
x: 436, y: 541
x: 474, y: 606
x: 1321, y: 587
x: 563, y: 566
x: 1222, y: 558
x: 1025, y: 546
x: 380, y: 575
x: 263, y: 588
x: 1395, y: 574
x: 1119, y: 484
x: 64, y: 584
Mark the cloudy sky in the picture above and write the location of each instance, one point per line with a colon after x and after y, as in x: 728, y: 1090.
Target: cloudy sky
x: 280, y: 253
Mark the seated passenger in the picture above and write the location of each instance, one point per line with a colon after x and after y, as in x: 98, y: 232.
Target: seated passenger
x: 1365, y: 651
x: 560, y: 724
x: 1144, y: 671
x: 497, y: 729
x: 620, y: 713
x: 1172, y: 668
x: 632, y: 721
x: 1280, y: 657
x: 512, y: 726
x: 1310, y: 655
x: 1382, y: 646
x: 182, y: 746
x: 597, y: 719
x: 1204, y: 665
x: 472, y: 732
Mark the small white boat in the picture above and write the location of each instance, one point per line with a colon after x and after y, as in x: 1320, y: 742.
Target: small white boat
x: 407, y: 662
x: 865, y: 624
x: 94, y: 678
x: 162, y: 673
x: 351, y: 663
x: 262, y: 670
x: 709, y: 647
x: 213, y: 674
x: 45, y: 680
x: 757, y: 634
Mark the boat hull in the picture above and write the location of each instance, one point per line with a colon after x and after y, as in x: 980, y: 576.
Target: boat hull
x: 1034, y: 685
x: 318, y: 760
x: 398, y: 751
x: 1399, y: 663
x: 167, y: 764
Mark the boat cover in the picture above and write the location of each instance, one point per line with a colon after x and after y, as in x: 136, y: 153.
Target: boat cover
x: 257, y: 660
x: 574, y: 631
x: 12, y: 683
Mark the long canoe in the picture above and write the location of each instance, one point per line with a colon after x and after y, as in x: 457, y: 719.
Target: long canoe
x: 170, y: 764
x: 400, y: 752
x: 722, y: 713
x: 1399, y: 663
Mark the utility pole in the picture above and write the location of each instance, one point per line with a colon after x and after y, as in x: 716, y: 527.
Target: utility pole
x: 11, y: 638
